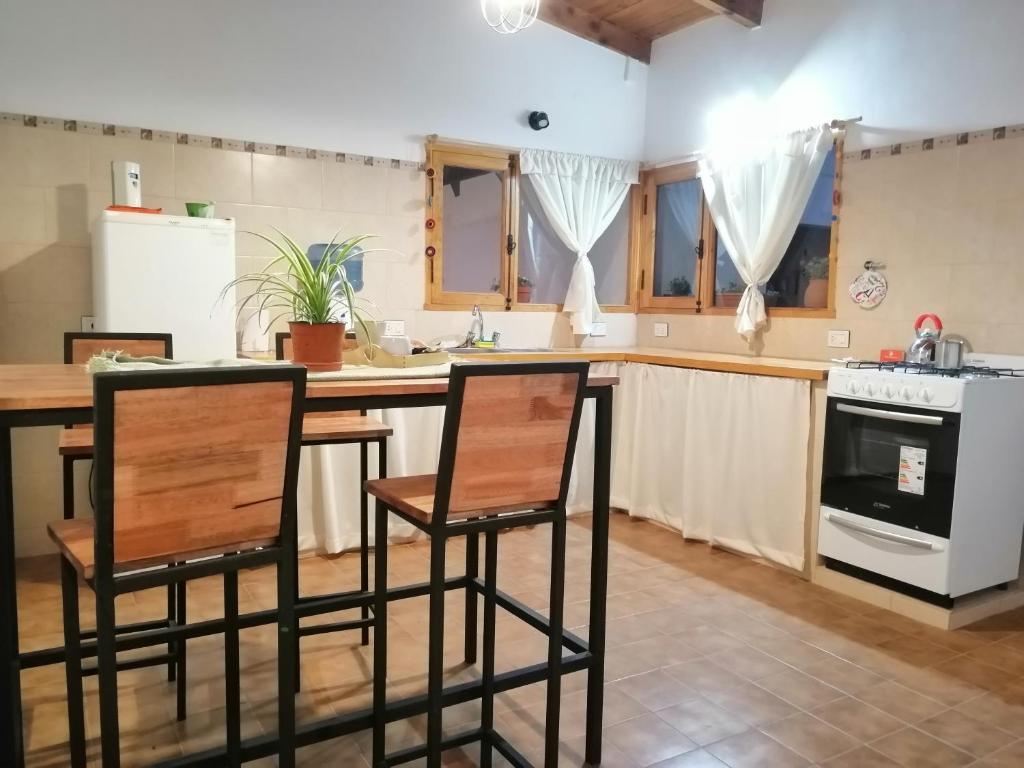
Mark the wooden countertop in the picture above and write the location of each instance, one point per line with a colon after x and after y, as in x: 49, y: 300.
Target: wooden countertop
x: 814, y: 370
x: 53, y: 386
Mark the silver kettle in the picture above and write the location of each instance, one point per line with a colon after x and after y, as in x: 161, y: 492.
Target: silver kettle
x: 922, y: 350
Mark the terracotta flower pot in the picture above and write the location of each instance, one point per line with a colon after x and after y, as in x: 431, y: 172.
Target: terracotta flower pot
x: 816, y: 293
x: 524, y: 293
x: 317, y: 346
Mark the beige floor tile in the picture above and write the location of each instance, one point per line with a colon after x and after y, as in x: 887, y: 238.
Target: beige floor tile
x: 916, y: 749
x: 705, y: 647
x: 702, y: 721
x: 754, y: 749
x: 901, y: 702
x: 648, y: 740
x: 860, y: 720
x: 810, y: 737
x: 966, y: 733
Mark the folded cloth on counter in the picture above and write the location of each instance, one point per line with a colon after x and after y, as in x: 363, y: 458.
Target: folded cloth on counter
x: 116, y: 360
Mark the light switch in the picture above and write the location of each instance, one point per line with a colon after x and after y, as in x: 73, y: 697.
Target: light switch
x: 88, y: 323
x: 599, y: 329
x: 394, y: 327
x: 839, y: 339
x: 661, y: 330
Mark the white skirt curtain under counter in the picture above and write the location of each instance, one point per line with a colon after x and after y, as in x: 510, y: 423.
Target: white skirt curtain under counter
x: 580, y: 196
x: 720, y: 457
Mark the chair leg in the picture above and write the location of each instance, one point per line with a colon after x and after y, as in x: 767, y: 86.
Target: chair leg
x: 68, y: 479
x: 297, y: 660
x: 435, y: 652
x: 554, y: 683
x: 232, y: 683
x: 380, y: 631
x: 106, y: 662
x: 287, y: 649
x: 172, y: 647
x: 490, y: 603
x: 472, y: 570
x: 181, y: 616
x: 73, y: 664
x: 364, y: 535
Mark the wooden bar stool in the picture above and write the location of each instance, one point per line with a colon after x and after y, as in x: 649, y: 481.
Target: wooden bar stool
x: 196, y: 475
x: 76, y: 444
x: 506, y: 457
x: 344, y: 428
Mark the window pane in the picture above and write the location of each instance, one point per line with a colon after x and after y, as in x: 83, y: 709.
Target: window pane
x: 676, y: 237
x: 472, y: 230
x: 545, y: 262
x: 801, y: 279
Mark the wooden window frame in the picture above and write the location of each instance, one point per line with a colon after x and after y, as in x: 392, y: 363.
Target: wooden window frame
x: 441, y: 153
x: 703, y: 302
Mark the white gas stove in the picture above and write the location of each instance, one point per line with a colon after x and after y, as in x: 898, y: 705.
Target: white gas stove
x: 922, y: 483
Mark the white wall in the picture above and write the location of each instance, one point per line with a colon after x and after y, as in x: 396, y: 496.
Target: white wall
x: 364, y: 76
x: 912, y: 68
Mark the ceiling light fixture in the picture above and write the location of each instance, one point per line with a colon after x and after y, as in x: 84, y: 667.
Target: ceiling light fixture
x: 509, y: 16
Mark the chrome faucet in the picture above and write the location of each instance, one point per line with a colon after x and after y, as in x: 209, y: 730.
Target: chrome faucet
x: 476, y: 327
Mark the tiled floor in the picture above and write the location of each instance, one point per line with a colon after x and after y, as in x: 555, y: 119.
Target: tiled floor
x: 712, y: 660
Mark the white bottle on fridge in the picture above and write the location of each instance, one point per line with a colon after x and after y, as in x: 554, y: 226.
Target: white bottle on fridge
x: 165, y: 274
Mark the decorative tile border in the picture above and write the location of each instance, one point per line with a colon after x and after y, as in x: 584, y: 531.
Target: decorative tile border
x: 938, y: 142
x: 195, y: 140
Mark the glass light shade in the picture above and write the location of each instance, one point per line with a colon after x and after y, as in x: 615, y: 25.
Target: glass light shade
x: 509, y: 16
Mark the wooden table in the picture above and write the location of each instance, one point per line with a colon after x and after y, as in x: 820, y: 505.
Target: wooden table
x: 48, y: 395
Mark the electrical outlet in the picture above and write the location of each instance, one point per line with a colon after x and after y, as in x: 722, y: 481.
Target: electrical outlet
x: 88, y: 323
x: 394, y: 327
x: 839, y: 339
x: 599, y: 329
x: 661, y: 330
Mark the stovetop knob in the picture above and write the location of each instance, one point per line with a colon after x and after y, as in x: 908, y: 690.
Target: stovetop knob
x: 926, y: 395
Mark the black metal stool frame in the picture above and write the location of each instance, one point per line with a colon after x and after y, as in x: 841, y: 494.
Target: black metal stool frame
x: 320, y: 604
x: 107, y: 585
x: 440, y: 530
x: 176, y: 601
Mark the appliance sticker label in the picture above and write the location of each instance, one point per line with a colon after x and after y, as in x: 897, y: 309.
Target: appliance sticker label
x: 913, y: 462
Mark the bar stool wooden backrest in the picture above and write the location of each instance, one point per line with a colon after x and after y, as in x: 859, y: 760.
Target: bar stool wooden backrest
x: 200, y: 461
x: 80, y: 346
x: 509, y: 437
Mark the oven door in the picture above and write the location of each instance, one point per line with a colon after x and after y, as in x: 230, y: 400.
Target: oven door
x: 891, y: 463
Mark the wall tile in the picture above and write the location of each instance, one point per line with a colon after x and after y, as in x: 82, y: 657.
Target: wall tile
x: 406, y: 192
x: 155, y: 159
x: 42, y: 158
x: 68, y: 214
x: 287, y: 181
x: 212, y: 174
x: 254, y: 218
x: 356, y: 188
x: 22, y: 214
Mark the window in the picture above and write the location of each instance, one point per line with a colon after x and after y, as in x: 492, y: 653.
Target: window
x: 679, y: 273
x: 490, y: 242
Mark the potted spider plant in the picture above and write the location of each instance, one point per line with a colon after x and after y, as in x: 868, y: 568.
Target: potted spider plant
x: 318, y: 298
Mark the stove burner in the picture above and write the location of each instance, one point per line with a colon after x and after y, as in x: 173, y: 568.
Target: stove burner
x: 929, y: 369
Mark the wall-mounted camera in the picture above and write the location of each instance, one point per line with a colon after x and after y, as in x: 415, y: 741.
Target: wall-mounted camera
x: 539, y: 120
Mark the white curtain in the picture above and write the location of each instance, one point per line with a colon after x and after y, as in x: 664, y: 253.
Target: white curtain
x: 580, y: 195
x: 720, y: 457
x: 757, y: 196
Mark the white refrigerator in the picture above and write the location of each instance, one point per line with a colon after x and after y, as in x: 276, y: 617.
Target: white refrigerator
x: 164, y: 274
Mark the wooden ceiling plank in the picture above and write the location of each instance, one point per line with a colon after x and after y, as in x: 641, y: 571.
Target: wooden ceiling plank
x: 746, y: 12
x: 565, y: 15
x: 654, y: 18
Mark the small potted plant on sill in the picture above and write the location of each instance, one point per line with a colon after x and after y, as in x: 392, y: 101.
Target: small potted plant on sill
x: 816, y: 292
x: 680, y: 286
x: 524, y: 290
x: 318, y: 298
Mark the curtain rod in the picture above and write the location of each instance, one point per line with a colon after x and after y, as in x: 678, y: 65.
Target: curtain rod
x: 835, y: 125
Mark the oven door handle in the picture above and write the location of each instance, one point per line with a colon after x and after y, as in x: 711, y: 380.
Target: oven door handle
x: 912, y: 418
x: 883, y: 534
